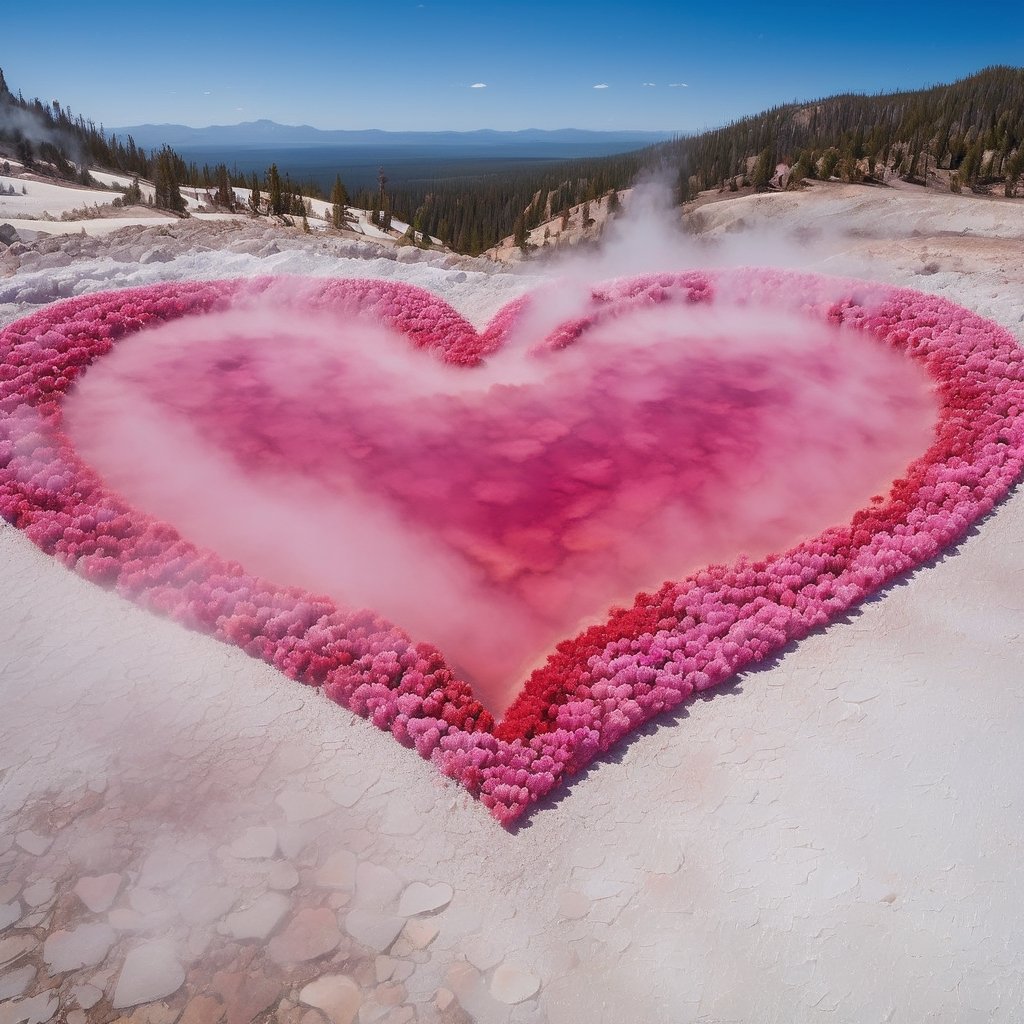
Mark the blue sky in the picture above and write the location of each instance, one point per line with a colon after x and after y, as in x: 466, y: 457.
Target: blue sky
x: 411, y: 65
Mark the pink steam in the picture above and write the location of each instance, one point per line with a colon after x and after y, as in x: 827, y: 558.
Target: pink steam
x: 493, y: 513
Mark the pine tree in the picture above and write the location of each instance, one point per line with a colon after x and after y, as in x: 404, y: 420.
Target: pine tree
x: 275, y: 198
x: 339, y: 198
x: 133, y: 193
x: 519, y: 232
x: 763, y: 169
x: 1014, y: 169
x: 24, y: 150
x: 167, y: 194
x: 971, y: 166
x: 683, y: 187
x: 384, y: 201
x: 254, y: 194
x: 225, y: 193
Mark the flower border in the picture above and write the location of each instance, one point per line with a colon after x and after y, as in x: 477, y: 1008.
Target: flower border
x: 600, y: 686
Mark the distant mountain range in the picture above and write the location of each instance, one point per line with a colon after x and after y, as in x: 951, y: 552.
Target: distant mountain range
x: 268, y: 133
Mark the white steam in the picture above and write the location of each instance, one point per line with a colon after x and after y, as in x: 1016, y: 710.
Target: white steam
x: 496, y: 511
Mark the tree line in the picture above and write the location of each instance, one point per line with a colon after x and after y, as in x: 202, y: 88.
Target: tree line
x: 973, y: 129
x: 50, y: 138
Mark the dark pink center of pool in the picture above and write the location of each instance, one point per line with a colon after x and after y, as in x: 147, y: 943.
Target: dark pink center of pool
x: 494, y: 511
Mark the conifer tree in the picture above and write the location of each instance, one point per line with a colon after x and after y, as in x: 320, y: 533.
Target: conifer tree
x: 683, y: 187
x: 519, y: 232
x: 339, y: 199
x: 133, y: 193
x: 225, y: 193
x: 384, y: 207
x: 254, y: 194
x: 167, y: 194
x: 763, y: 169
x: 275, y: 197
x: 971, y: 165
x: 25, y: 153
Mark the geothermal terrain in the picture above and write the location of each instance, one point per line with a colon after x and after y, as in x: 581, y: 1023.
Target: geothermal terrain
x: 186, y: 835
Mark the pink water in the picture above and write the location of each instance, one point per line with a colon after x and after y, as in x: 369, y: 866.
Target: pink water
x: 495, y: 511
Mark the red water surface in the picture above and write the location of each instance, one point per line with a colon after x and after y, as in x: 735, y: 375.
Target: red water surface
x: 496, y: 510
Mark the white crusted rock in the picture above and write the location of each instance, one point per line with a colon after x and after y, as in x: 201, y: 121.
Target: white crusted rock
x: 9, y: 914
x: 98, y: 892
x: 301, y: 805
x: 511, y: 984
x: 13, y: 984
x: 33, y: 842
x: 373, y: 928
x: 311, y: 933
x: 258, y: 920
x: 421, y: 898
x: 336, y: 995
x: 151, y: 971
x: 257, y: 843
x: 84, y: 946
x: 338, y: 871
x: 38, y: 894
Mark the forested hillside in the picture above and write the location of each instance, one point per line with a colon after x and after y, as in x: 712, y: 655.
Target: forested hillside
x: 473, y: 216
x: 968, y: 135
x: 49, y: 139
x: 973, y: 128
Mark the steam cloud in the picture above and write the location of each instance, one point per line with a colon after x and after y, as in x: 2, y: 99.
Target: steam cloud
x: 495, y: 511
x: 28, y: 124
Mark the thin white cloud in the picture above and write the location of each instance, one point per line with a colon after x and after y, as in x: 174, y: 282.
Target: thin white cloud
x: 678, y: 85
x: 601, y: 85
x: 207, y: 93
x: 649, y: 85
x: 479, y: 85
